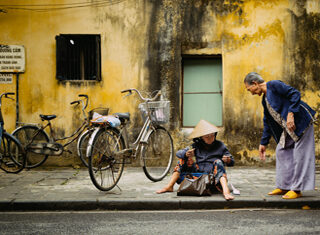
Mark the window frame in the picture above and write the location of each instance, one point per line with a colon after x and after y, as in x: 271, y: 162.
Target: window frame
x: 185, y: 57
x: 81, y: 63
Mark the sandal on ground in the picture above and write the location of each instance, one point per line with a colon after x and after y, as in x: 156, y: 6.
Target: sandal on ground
x: 277, y: 191
x: 291, y: 195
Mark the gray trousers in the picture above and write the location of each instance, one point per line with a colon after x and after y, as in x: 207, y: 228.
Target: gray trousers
x: 295, y: 163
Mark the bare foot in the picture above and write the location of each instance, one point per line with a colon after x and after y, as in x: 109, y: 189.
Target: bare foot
x: 228, y: 197
x: 165, y: 190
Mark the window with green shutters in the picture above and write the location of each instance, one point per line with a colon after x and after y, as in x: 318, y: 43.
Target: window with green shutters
x: 202, y: 91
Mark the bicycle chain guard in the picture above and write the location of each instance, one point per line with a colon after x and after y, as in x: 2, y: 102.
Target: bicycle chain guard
x: 52, y: 149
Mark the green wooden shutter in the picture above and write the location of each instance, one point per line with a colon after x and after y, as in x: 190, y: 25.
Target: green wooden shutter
x: 202, y: 91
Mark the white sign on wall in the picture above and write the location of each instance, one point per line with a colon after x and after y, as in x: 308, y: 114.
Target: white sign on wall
x: 6, y: 78
x: 12, y: 59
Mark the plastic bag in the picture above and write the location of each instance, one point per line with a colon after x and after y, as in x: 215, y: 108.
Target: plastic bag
x: 110, y: 119
x: 195, y: 187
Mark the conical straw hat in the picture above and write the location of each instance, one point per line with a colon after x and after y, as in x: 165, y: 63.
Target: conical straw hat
x: 203, y: 128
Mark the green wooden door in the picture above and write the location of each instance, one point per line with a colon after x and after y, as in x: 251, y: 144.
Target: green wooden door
x: 202, y: 91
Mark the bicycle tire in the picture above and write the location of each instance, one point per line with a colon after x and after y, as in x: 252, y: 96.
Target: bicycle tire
x: 24, y: 134
x: 82, y: 147
x: 157, y: 154
x: 12, y: 154
x: 105, y: 169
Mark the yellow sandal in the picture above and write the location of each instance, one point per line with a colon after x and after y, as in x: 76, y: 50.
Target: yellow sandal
x: 278, y: 191
x: 291, y: 195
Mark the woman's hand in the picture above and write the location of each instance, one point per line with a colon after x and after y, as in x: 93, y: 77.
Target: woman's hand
x: 290, y: 122
x: 226, y: 159
x: 262, y: 152
x: 190, y: 153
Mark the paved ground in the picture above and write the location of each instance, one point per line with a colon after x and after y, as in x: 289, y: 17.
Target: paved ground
x: 71, y: 189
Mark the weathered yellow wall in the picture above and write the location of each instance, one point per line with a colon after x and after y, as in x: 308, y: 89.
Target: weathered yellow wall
x: 122, y: 36
x: 141, y: 46
x: 260, y: 36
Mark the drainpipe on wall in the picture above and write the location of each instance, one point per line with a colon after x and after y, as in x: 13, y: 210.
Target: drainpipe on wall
x: 17, y: 100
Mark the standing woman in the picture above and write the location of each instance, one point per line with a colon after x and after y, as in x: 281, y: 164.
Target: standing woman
x: 290, y: 121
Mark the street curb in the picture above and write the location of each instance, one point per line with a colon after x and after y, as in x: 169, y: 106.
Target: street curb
x: 154, y: 205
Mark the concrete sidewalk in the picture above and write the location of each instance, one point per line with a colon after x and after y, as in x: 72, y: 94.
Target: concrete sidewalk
x: 71, y: 189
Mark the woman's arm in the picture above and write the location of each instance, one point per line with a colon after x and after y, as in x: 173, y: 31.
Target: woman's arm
x: 290, y: 93
x: 182, y: 152
x: 228, y: 160
x: 227, y: 157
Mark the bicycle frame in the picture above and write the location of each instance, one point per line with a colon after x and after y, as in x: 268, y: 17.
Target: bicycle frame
x: 74, y: 136
x: 140, y: 140
x: 53, y: 138
x: 10, y: 163
x: 108, y: 148
x: 6, y: 95
x: 145, y: 129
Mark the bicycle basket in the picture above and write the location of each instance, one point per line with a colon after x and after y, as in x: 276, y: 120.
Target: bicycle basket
x: 100, y: 110
x: 159, y: 111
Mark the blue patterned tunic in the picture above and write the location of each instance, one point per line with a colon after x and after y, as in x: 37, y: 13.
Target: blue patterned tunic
x: 208, y: 160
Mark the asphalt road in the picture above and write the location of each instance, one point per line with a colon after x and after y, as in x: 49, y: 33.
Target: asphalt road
x: 163, y: 222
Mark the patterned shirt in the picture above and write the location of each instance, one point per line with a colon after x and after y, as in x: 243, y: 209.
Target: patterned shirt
x: 277, y: 117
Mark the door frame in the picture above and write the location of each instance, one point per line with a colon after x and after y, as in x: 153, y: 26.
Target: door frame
x: 197, y: 57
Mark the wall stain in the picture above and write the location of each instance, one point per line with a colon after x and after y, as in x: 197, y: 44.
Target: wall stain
x: 176, y: 25
x: 306, y: 56
x: 173, y: 25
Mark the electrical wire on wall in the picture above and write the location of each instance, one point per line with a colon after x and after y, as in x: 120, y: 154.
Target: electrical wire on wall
x: 54, y: 7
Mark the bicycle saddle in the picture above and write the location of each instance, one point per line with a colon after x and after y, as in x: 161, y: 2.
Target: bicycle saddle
x: 123, y: 116
x: 47, y: 117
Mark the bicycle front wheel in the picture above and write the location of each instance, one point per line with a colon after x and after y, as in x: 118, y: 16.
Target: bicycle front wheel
x: 157, y: 155
x: 82, y: 146
x: 105, y: 167
x: 25, y: 134
x: 12, y: 154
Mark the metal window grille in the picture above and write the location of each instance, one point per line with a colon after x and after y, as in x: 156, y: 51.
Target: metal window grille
x: 78, y: 57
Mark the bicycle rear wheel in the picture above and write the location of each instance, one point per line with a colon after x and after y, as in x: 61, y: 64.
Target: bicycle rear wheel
x: 105, y: 168
x: 25, y: 134
x: 82, y: 147
x: 157, y: 155
x: 12, y: 154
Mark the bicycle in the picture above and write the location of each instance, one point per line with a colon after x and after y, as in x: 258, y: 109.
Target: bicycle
x: 108, y: 146
x: 12, y: 154
x: 39, y: 145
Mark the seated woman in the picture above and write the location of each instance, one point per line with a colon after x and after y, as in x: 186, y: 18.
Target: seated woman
x: 211, y: 156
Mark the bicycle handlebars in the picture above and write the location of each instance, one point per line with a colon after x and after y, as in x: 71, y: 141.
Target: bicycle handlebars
x: 6, y: 95
x: 139, y: 93
x: 84, y: 106
x: 83, y: 95
x: 77, y: 101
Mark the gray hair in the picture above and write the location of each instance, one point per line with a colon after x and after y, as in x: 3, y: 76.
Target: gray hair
x: 253, y: 77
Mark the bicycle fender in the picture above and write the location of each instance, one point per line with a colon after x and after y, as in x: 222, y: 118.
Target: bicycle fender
x: 31, y: 125
x: 79, y: 139
x: 52, y: 149
x: 92, y: 137
x: 144, y: 140
x: 13, y: 137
